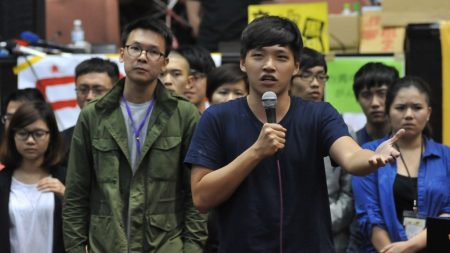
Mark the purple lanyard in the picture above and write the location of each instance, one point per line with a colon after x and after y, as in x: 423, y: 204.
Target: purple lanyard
x: 137, y: 132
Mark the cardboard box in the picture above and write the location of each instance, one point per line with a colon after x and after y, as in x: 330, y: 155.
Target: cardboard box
x: 403, y: 12
x: 344, y: 32
x: 378, y: 39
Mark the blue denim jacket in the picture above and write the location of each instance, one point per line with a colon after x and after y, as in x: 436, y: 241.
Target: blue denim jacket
x: 374, y: 198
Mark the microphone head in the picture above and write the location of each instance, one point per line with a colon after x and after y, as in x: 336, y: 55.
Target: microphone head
x: 30, y: 37
x: 269, y: 99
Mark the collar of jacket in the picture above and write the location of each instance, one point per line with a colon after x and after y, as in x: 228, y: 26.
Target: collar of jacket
x: 111, y: 100
x: 108, y: 106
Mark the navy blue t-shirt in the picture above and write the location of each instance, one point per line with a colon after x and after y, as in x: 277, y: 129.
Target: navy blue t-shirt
x: 362, y: 136
x: 249, y: 220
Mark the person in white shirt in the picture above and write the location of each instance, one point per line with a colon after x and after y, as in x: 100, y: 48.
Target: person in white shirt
x: 31, y: 184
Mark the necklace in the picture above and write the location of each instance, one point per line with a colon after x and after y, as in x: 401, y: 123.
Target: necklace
x: 403, y: 160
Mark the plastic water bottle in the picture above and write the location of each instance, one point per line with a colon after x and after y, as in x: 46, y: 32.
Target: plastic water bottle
x: 346, y: 10
x: 77, y: 37
x: 356, y: 8
x: 77, y: 32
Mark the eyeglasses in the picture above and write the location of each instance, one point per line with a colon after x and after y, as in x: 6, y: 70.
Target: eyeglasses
x: 309, y: 77
x: 6, y: 117
x: 151, y: 53
x: 37, y: 135
x: 96, y: 90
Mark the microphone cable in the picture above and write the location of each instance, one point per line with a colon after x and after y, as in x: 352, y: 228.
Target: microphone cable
x: 280, y: 189
x: 269, y: 102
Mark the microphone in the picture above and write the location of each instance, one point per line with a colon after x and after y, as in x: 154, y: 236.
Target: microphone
x: 19, y: 47
x: 35, y: 40
x: 269, y: 101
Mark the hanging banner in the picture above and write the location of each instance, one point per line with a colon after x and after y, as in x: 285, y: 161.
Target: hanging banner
x: 54, y: 76
x: 311, y: 19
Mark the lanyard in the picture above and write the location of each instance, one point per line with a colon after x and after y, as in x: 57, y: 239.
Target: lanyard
x: 403, y: 160
x: 407, y: 170
x: 137, y: 132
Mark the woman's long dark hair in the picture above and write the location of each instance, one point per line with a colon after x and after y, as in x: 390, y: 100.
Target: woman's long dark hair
x: 24, y: 116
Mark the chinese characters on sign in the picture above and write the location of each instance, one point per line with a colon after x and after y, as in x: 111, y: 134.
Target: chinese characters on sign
x: 311, y: 18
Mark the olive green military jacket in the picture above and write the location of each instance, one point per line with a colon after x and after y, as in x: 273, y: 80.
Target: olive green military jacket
x: 101, y: 191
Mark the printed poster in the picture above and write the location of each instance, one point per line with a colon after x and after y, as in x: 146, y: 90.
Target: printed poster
x: 311, y: 19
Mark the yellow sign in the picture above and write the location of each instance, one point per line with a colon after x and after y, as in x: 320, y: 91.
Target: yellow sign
x: 311, y: 19
x: 445, y: 44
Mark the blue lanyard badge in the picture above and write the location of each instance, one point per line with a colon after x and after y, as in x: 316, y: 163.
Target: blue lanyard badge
x: 137, y: 131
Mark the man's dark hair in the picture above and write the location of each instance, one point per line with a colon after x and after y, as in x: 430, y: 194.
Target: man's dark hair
x: 98, y: 65
x: 198, y: 57
x: 269, y: 31
x: 405, y: 82
x: 373, y: 74
x: 151, y: 24
x: 25, y: 95
x: 24, y: 116
x: 311, y: 58
x: 227, y: 73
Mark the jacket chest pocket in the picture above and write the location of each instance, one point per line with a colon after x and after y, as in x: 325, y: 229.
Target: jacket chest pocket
x: 165, y: 158
x: 106, y: 160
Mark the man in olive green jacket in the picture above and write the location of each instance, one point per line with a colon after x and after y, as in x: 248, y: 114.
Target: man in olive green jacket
x: 127, y: 189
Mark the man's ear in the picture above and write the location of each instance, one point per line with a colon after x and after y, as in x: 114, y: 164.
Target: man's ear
x: 297, y: 68
x: 242, y: 65
x: 121, y: 52
x: 166, y: 61
x: 190, y: 81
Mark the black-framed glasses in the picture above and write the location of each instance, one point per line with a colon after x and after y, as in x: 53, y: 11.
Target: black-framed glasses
x: 151, y: 53
x: 38, y: 135
x: 309, y: 77
x: 96, y: 90
x: 6, y: 117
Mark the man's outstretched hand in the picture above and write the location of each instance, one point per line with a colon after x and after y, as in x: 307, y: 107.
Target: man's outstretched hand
x: 386, y: 151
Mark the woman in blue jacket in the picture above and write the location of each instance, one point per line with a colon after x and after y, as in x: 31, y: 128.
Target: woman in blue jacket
x: 413, y: 188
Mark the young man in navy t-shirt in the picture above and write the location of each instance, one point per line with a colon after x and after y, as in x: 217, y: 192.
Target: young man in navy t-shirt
x: 267, y: 180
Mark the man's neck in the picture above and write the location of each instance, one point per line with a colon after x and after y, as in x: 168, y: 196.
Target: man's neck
x: 377, y: 131
x: 255, y: 104
x: 201, y: 106
x: 139, y: 93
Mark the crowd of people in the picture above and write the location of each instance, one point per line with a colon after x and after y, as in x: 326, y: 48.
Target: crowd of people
x: 180, y: 156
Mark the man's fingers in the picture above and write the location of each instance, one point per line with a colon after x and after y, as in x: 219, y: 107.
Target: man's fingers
x: 390, y: 159
x: 276, y: 126
x: 394, y: 154
x: 397, y: 135
x: 377, y: 161
x: 381, y: 161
